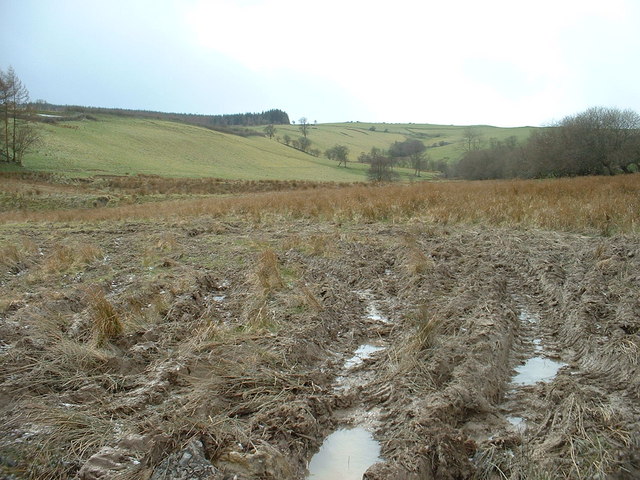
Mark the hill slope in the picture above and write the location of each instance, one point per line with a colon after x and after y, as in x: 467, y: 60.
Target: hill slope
x: 115, y: 145
x: 120, y: 146
x: 444, y: 142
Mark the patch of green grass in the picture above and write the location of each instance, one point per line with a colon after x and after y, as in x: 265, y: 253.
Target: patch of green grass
x: 129, y: 146
x: 361, y: 137
x: 123, y: 146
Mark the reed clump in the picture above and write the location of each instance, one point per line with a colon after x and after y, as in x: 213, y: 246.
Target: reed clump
x: 14, y: 257
x: 268, y: 272
x: 106, y: 323
x: 71, y: 256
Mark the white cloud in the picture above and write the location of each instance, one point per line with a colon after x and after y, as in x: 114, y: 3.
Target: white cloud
x: 455, y: 61
x: 436, y: 59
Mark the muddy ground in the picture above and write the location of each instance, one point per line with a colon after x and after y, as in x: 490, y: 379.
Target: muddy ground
x: 221, y: 349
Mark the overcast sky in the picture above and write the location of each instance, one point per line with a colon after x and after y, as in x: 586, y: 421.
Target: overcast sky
x: 498, y: 62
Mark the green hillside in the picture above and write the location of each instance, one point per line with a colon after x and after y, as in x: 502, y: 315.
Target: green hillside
x: 445, y: 142
x: 120, y: 146
x: 115, y: 145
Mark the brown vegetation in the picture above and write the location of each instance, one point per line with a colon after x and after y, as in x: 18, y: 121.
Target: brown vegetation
x: 592, y: 204
x: 218, y: 329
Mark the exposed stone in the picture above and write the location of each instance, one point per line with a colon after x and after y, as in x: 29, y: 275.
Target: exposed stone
x: 187, y: 464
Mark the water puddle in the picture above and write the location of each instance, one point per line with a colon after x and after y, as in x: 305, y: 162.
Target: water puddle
x: 525, y: 316
x: 361, y: 354
x: 518, y: 423
x: 536, y: 369
x: 346, y: 454
x: 374, y: 314
x: 537, y: 343
x: 372, y: 311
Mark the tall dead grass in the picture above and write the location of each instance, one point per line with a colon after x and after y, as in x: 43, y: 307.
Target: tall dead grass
x: 15, y: 256
x: 153, y: 184
x: 267, y: 280
x: 67, y: 435
x: 603, y: 205
x: 106, y: 322
x: 71, y: 256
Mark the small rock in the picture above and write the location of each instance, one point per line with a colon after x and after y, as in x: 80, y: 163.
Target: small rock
x: 107, y: 461
x: 189, y: 463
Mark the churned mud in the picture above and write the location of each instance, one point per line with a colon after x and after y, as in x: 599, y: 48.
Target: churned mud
x: 290, y: 350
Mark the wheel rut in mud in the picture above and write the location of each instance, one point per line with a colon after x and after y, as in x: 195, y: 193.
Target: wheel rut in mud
x: 245, y: 348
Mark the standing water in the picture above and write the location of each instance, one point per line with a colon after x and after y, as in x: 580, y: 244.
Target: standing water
x: 361, y: 354
x: 345, y: 454
x: 536, y: 369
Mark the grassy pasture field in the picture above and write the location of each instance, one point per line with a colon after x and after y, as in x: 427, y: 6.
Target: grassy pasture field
x: 121, y: 146
x: 360, y: 137
x: 115, y: 145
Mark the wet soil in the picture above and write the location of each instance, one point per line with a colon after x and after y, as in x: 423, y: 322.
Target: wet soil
x: 243, y: 346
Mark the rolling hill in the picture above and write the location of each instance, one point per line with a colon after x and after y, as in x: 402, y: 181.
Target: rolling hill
x: 112, y: 145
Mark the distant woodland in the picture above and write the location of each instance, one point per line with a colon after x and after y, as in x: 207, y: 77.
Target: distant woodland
x: 218, y: 122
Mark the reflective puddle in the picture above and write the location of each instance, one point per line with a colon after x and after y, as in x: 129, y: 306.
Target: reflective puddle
x: 527, y: 317
x: 362, y: 353
x: 536, y: 369
x: 518, y: 423
x: 537, y: 344
x: 374, y: 314
x: 345, y: 454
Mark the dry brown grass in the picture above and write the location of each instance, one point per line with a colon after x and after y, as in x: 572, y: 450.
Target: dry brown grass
x: 106, y: 322
x: 65, y: 434
x: 200, y: 186
x: 596, y: 204
x: 15, y: 256
x: 268, y: 272
x: 416, y: 262
x: 65, y: 257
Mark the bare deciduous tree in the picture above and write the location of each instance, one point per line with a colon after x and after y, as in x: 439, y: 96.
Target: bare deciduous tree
x: 304, y: 143
x: 303, y: 125
x: 380, y: 166
x: 599, y: 140
x: 18, y: 133
x: 270, y: 130
x: 414, y: 150
x: 471, y: 139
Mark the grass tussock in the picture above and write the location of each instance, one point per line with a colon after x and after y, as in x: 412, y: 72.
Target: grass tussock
x: 416, y: 262
x: 590, y: 446
x: 603, y: 205
x: 163, y: 250
x: 427, y: 328
x: 267, y: 280
x: 268, y: 272
x: 105, y: 320
x: 74, y: 356
x: 14, y: 257
x: 64, y: 435
x: 591, y: 433
x: 310, y: 299
x: 71, y: 256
